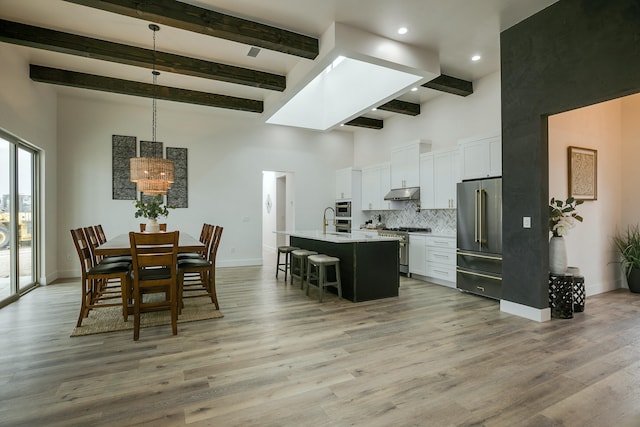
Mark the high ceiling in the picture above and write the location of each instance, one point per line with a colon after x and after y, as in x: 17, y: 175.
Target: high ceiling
x: 455, y: 29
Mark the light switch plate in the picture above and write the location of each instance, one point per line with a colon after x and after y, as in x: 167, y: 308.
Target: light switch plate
x: 526, y: 222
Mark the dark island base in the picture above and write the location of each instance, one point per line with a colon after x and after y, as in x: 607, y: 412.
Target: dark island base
x: 368, y: 270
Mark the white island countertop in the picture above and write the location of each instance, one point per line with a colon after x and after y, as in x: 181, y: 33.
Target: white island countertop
x: 335, y: 237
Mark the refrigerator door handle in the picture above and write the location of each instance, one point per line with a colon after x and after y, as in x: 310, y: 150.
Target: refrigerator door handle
x: 480, y: 222
x: 486, y: 276
x: 496, y: 258
x: 475, y: 218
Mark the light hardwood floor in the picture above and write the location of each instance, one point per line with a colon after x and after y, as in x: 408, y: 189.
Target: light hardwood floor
x: 431, y: 357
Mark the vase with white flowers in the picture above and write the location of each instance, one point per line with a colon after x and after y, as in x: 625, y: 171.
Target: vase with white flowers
x: 152, y: 208
x: 562, y: 217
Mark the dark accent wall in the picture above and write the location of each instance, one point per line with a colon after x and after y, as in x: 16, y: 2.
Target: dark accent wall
x: 573, y: 54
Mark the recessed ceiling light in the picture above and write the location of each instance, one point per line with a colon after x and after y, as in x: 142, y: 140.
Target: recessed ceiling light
x: 413, y: 89
x: 476, y: 58
x: 403, y: 30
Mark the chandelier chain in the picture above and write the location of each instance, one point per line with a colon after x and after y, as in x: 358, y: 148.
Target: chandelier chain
x: 154, y: 107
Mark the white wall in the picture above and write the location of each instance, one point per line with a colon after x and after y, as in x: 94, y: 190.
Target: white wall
x: 227, y: 153
x: 589, y: 244
x: 28, y: 111
x: 443, y: 120
x: 630, y: 161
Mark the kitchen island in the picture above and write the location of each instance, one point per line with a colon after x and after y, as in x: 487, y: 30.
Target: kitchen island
x: 369, y: 264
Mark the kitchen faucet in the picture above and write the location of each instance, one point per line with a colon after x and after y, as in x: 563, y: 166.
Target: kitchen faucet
x: 324, y: 219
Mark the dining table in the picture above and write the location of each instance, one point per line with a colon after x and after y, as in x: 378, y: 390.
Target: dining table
x: 120, y: 245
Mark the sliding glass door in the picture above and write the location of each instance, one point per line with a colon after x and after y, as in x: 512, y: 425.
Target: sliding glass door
x: 17, y: 232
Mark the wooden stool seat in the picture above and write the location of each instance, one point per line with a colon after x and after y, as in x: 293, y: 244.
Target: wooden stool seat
x: 299, y: 265
x: 317, y: 266
x: 284, y: 266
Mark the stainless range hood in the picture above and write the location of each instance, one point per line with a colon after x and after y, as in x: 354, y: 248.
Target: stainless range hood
x: 403, y: 194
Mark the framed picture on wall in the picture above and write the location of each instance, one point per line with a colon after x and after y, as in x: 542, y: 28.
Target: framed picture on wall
x: 583, y: 173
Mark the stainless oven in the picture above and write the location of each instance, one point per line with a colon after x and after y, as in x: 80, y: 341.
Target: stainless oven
x: 343, y: 209
x: 403, y: 240
x: 402, y: 233
x: 343, y: 225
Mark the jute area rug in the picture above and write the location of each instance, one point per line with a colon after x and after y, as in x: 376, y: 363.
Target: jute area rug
x: 109, y: 319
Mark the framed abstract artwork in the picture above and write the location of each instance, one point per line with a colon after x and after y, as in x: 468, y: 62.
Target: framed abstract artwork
x: 583, y: 173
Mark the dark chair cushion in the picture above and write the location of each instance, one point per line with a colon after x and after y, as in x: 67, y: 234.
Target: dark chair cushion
x: 111, y: 259
x: 193, y: 263
x: 155, y: 273
x: 114, y: 267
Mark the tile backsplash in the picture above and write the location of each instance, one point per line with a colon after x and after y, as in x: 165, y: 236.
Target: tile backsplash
x: 439, y: 220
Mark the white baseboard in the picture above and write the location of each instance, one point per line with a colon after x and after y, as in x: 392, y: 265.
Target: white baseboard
x: 49, y: 278
x: 537, y: 314
x: 600, y: 288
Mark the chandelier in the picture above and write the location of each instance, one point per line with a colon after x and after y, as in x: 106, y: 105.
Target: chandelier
x: 152, y: 175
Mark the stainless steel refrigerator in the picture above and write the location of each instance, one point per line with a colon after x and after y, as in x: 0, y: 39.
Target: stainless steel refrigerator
x: 479, y: 223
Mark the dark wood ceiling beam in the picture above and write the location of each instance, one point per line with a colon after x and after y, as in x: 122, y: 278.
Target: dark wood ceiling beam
x: 450, y: 84
x: 366, y: 122
x: 401, y: 107
x: 57, y: 41
x: 127, y: 87
x: 205, y: 21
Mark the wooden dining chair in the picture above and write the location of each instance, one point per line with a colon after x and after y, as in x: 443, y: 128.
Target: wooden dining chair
x: 92, y: 240
x: 155, y: 258
x: 102, y: 238
x: 205, y: 238
x: 97, y: 280
x: 198, y: 275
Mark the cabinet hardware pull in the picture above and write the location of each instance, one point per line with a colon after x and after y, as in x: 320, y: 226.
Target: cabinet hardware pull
x: 480, y: 288
x: 480, y: 256
x: 486, y: 276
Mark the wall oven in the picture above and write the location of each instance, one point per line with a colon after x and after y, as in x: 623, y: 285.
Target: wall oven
x: 343, y: 225
x: 343, y: 209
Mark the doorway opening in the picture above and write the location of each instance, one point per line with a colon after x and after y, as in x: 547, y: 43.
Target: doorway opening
x: 277, y: 211
x: 611, y: 131
x: 18, y: 217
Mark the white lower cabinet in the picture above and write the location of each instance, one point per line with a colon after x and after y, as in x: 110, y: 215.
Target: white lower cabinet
x: 433, y: 257
x: 441, y: 259
x: 417, y: 254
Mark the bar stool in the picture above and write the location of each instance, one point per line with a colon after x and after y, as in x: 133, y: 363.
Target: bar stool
x: 298, y: 268
x: 286, y: 250
x: 319, y: 263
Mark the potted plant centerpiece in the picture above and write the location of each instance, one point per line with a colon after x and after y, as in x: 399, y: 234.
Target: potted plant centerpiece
x: 152, y: 208
x: 562, y: 217
x: 628, y: 244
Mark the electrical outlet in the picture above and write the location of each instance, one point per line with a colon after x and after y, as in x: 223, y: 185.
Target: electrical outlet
x: 526, y: 222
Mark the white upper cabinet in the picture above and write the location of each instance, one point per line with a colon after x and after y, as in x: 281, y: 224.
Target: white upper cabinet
x: 427, y: 183
x: 481, y: 157
x: 344, y: 183
x: 439, y: 174
x: 405, y: 164
x: 376, y: 183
